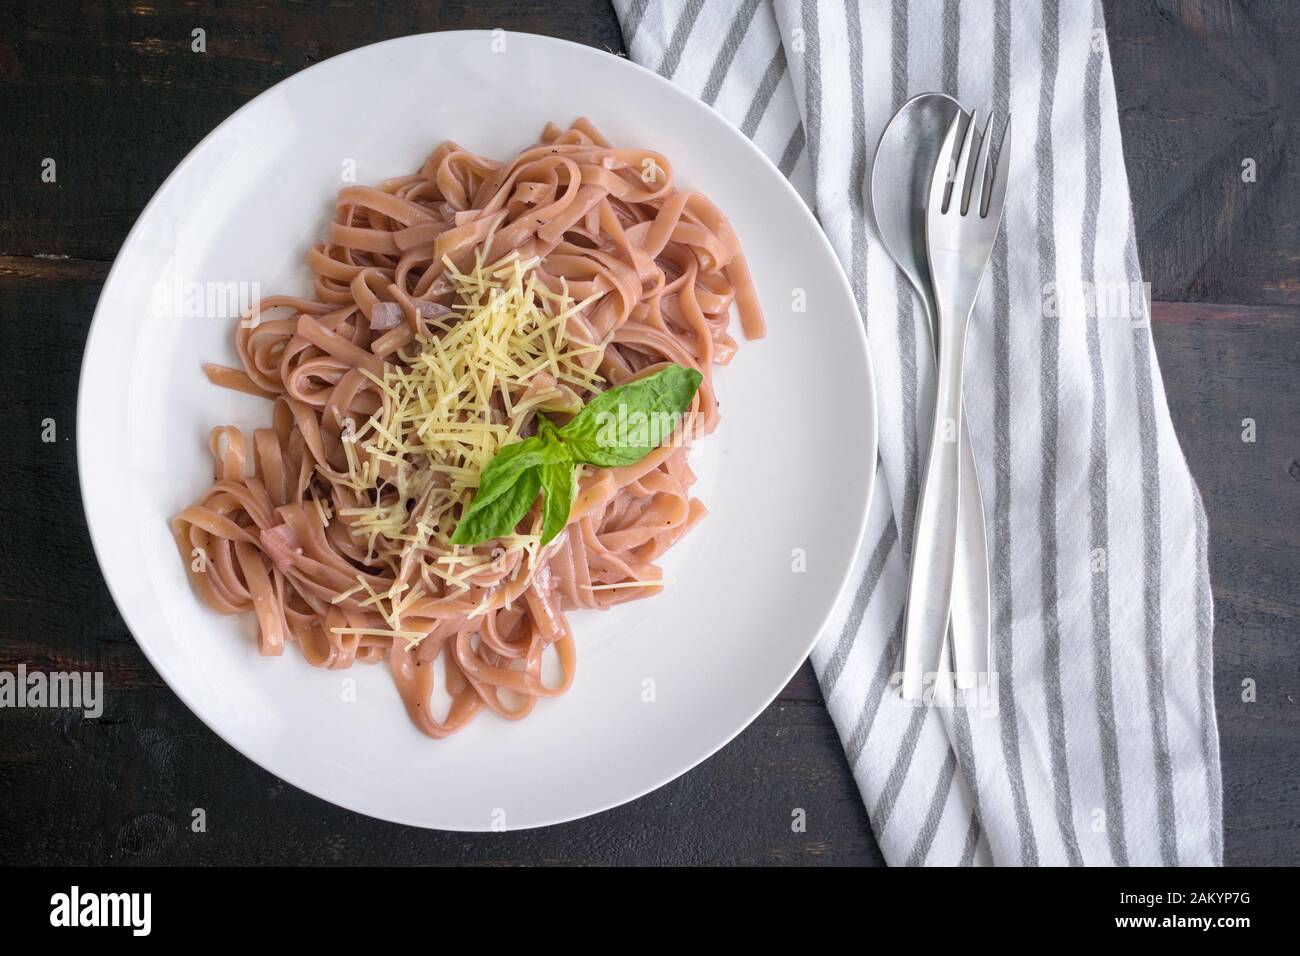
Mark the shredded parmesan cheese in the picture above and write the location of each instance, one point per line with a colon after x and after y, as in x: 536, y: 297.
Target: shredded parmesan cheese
x: 450, y: 402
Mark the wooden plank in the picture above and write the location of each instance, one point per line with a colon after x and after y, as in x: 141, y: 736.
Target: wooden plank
x: 1202, y: 86
x: 116, y: 96
x: 1221, y: 366
x: 124, y: 789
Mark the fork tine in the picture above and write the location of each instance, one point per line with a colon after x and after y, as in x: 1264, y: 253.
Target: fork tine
x: 978, y: 188
x: 998, y: 189
x: 942, y: 166
x: 962, y: 174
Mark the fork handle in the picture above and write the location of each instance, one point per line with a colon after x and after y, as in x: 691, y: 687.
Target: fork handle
x: 934, y: 535
x: 969, y: 618
x: 970, y: 582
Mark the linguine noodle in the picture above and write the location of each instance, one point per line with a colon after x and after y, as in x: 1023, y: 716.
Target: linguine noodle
x: 572, y: 268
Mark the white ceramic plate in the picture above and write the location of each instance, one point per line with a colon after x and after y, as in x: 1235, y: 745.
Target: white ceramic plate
x: 662, y: 683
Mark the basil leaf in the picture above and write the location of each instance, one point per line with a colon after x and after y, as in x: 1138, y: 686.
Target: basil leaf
x: 503, y: 496
x: 546, y: 429
x: 499, y: 514
x: 557, y: 497
x: 617, y: 427
x: 626, y: 423
x: 557, y: 483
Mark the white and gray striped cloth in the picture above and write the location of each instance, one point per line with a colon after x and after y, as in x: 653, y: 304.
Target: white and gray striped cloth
x: 1102, y: 747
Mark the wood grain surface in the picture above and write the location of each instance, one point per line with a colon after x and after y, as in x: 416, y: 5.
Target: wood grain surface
x: 114, y: 94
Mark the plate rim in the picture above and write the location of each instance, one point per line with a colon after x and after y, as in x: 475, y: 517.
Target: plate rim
x: 117, y: 590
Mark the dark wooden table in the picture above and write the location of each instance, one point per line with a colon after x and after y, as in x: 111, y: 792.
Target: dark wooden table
x: 114, y: 94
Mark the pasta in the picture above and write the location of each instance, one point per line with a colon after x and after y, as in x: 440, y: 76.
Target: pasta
x: 450, y: 308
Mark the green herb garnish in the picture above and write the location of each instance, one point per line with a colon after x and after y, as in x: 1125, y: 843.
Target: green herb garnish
x: 617, y: 427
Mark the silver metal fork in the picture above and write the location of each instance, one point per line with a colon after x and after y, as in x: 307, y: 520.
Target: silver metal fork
x: 959, y: 243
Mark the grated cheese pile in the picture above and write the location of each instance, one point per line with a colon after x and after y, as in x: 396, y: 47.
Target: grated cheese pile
x: 458, y: 395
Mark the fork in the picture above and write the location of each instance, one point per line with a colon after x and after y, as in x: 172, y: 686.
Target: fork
x: 959, y: 231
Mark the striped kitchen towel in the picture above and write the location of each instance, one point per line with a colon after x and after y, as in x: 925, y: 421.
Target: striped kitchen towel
x: 1100, y: 745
